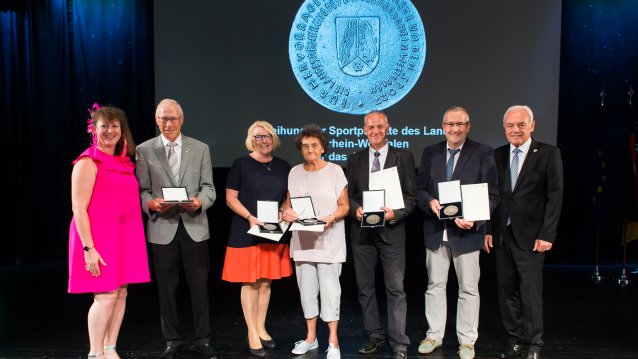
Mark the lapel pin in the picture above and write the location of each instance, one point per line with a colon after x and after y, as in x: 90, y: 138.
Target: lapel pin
x: 536, y: 150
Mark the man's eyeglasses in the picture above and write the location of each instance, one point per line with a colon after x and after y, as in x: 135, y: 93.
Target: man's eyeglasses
x: 457, y: 124
x: 172, y: 120
x: 260, y: 138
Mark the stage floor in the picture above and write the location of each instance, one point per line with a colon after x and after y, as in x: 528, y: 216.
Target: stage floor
x: 38, y: 319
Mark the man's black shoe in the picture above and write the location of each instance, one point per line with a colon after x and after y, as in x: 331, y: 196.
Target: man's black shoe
x: 171, y: 351
x: 400, y: 354
x: 372, y: 345
x: 512, y: 352
x: 206, y: 351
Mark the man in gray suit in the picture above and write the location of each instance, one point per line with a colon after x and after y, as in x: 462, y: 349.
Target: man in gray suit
x: 178, y: 233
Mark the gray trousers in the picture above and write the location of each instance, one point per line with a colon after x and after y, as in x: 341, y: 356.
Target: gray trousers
x: 319, y: 280
x: 392, y: 258
x: 468, y: 274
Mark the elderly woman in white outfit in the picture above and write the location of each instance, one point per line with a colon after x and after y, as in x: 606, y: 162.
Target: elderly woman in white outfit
x: 318, y: 256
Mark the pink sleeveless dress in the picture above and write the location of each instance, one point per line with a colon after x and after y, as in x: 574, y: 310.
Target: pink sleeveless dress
x: 116, y: 226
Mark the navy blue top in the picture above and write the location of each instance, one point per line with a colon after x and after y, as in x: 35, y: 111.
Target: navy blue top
x: 256, y: 181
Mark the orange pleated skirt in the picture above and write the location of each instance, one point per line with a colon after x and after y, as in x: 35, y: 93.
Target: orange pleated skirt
x: 263, y: 261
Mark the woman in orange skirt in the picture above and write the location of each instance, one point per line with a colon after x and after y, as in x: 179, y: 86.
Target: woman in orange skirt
x: 251, y: 260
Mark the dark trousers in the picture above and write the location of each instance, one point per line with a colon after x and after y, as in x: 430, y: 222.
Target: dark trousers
x: 520, y: 292
x: 392, y: 257
x: 194, y: 257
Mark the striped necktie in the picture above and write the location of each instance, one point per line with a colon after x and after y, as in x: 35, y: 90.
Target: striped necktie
x: 173, y: 162
x: 513, y: 175
x: 514, y: 167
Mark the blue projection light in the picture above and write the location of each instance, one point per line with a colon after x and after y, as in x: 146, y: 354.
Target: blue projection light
x: 359, y: 55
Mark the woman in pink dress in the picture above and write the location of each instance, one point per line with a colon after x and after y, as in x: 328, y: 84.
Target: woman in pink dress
x: 107, y: 248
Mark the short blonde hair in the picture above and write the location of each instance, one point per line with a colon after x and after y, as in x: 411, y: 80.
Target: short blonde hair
x: 250, y: 144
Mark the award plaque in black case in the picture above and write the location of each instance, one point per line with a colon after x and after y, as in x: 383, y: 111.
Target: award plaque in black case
x: 373, y: 215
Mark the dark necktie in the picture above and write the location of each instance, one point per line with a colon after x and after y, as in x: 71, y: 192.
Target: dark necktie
x: 376, y: 165
x: 450, y: 164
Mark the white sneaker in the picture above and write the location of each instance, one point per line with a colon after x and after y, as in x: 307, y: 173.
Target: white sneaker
x: 301, y: 347
x: 332, y: 352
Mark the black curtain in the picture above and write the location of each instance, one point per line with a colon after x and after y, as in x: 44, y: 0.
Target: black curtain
x: 58, y: 58
x: 61, y: 56
x: 599, y: 67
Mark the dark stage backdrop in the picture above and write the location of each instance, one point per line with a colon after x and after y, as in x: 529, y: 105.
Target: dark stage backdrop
x: 227, y: 62
x: 60, y: 56
x: 599, y: 69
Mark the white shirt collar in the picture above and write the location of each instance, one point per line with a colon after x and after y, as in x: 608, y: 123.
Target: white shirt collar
x: 178, y: 140
x: 383, y: 150
x: 447, y: 146
x: 524, y: 147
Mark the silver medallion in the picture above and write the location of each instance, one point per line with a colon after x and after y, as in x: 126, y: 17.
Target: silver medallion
x: 373, y: 219
x: 451, y: 210
x: 355, y: 56
x: 270, y: 227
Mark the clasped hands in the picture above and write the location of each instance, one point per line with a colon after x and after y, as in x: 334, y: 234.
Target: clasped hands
x: 289, y: 215
x: 435, y: 207
x: 159, y: 205
x: 389, y: 213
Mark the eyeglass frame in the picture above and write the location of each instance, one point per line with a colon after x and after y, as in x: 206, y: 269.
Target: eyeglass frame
x: 261, y: 138
x: 165, y: 120
x: 457, y: 124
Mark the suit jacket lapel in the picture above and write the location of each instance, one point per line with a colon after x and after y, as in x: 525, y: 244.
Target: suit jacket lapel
x: 530, y: 159
x: 463, y: 159
x: 391, y: 159
x: 160, y: 152
x: 439, y: 163
x: 364, y: 170
x: 503, y: 157
x: 186, y: 156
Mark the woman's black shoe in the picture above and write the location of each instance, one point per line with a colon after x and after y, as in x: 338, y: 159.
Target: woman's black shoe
x: 259, y: 353
x: 268, y: 344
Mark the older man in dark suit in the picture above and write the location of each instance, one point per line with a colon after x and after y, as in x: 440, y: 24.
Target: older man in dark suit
x: 386, y: 243
x: 524, y: 227
x: 455, y: 241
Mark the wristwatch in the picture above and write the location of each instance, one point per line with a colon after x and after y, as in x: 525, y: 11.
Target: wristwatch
x: 87, y: 248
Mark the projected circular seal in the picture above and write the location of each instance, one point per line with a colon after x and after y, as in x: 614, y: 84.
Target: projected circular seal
x: 451, y: 210
x: 355, y: 56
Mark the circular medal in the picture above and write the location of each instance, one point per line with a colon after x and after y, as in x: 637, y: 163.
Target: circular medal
x: 451, y: 210
x: 373, y: 219
x: 270, y: 227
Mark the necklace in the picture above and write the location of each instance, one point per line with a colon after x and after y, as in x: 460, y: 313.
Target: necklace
x: 266, y: 166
